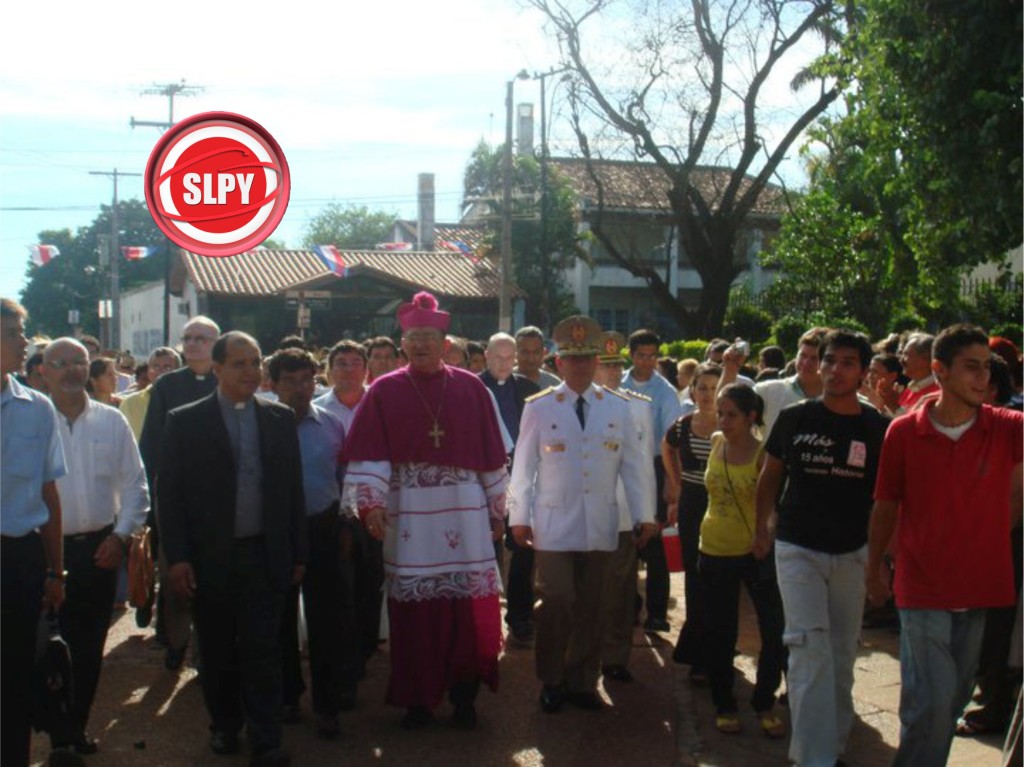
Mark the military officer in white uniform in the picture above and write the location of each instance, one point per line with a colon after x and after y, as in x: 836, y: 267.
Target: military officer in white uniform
x: 618, y: 595
x: 575, y: 442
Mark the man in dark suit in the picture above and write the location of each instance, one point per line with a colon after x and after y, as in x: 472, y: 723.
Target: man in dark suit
x: 511, y: 390
x: 189, y: 383
x: 232, y: 517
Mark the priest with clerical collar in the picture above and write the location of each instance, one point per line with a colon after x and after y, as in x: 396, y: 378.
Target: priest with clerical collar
x: 426, y: 474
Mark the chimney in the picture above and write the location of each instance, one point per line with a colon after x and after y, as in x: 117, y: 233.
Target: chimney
x: 524, y: 130
x: 425, y: 219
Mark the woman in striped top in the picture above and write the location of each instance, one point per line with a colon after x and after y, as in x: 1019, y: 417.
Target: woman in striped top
x: 684, y: 452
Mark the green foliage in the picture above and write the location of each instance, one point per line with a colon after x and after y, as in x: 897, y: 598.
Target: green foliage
x: 906, y: 319
x: 921, y: 178
x: 541, y: 248
x: 349, y: 227
x: 1011, y: 330
x: 77, y: 280
x: 995, y: 303
x: 748, y: 322
x: 787, y: 331
x: 834, y: 259
x: 681, y: 350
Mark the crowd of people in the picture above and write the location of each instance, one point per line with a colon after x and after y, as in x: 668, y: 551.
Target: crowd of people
x: 433, y: 476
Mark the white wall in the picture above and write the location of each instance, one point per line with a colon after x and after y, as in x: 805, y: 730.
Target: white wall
x: 142, y: 317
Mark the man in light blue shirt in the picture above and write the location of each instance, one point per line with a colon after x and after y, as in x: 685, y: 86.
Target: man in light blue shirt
x: 643, y: 378
x: 31, y: 546
x: 327, y: 588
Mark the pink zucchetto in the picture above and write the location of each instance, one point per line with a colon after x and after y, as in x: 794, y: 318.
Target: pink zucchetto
x: 422, y: 312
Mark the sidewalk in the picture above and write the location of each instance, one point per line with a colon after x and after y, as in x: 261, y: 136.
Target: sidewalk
x: 876, y: 694
x: 147, y: 716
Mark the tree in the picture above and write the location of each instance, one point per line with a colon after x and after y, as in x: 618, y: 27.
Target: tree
x: 76, y: 279
x: 349, y: 227
x: 939, y: 90
x: 708, y: 70
x: 542, y: 246
x: 920, y: 178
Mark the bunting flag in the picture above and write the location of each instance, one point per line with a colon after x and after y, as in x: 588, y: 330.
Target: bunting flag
x: 459, y: 247
x: 331, y: 257
x: 136, y: 252
x: 393, y: 246
x: 43, y: 254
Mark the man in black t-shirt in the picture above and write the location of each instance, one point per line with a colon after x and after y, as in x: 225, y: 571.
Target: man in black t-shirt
x: 826, y: 450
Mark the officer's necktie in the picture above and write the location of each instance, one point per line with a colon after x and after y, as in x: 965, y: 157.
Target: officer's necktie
x: 579, y: 412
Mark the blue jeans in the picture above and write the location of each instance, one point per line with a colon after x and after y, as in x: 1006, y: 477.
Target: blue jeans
x: 939, y: 652
x: 823, y: 596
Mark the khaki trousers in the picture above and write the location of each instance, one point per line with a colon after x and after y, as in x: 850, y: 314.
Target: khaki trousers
x: 618, y: 602
x: 567, y: 617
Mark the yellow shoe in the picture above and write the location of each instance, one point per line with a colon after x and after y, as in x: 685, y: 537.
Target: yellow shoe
x: 771, y: 725
x: 727, y: 723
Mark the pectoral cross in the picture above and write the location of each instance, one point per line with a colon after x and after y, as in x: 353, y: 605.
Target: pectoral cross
x: 436, y: 433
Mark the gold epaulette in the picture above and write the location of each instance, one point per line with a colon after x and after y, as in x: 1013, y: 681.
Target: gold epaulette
x: 638, y: 395
x: 541, y: 393
x: 616, y: 393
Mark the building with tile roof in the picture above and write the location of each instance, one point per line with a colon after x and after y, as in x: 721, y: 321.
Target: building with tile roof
x: 637, y: 215
x: 257, y: 291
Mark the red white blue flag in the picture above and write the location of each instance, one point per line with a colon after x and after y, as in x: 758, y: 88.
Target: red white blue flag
x: 43, y: 254
x: 393, y: 246
x: 331, y: 257
x: 459, y: 247
x: 134, y: 252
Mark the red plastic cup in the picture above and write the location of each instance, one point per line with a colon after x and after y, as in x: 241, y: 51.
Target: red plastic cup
x: 673, y: 549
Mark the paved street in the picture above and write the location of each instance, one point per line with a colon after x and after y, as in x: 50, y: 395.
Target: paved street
x: 146, y: 715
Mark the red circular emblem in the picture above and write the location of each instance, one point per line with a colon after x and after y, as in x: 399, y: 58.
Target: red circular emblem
x: 217, y: 184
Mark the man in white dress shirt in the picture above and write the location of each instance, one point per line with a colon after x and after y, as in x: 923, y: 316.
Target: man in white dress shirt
x: 575, y: 441
x: 104, y: 499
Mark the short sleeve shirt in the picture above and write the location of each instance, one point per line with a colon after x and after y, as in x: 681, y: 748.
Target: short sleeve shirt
x: 953, y: 534
x: 31, y: 456
x: 831, y: 462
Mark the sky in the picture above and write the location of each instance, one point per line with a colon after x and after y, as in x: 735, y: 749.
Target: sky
x: 361, y: 99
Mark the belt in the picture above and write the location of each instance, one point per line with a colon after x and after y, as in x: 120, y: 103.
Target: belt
x: 84, y: 537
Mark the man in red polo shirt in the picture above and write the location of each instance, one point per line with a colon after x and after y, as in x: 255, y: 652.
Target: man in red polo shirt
x: 950, y: 474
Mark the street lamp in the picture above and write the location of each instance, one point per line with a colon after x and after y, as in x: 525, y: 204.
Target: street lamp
x: 505, y: 300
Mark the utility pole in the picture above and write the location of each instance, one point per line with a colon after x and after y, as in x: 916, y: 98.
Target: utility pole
x: 170, y: 90
x: 115, y: 260
x: 505, y: 299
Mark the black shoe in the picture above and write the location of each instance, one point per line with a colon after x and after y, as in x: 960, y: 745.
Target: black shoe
x: 590, y: 701
x: 270, y: 757
x: 174, y: 658
x: 617, y: 672
x: 327, y: 726
x: 85, y: 745
x: 464, y: 717
x: 290, y: 713
x: 65, y: 757
x: 224, y: 742
x: 346, y: 701
x: 417, y: 717
x: 656, y: 626
x: 551, y: 699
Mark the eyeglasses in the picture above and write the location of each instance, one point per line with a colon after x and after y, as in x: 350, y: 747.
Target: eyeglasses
x: 197, y: 339
x: 423, y: 338
x: 348, y: 364
x: 61, y: 364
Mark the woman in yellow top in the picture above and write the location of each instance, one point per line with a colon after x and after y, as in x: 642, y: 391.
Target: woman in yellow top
x: 726, y: 561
